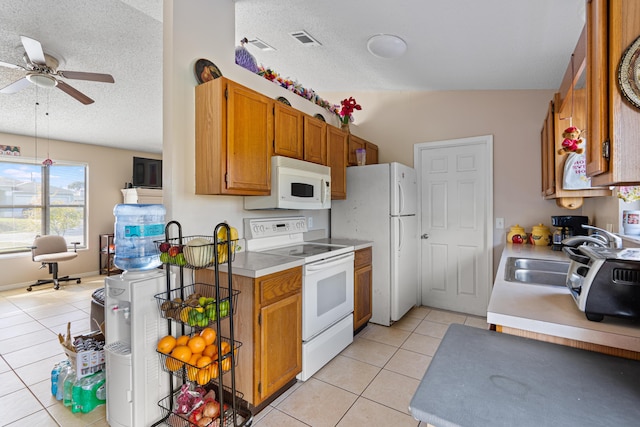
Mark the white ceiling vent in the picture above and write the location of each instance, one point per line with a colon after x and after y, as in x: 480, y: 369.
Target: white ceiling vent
x: 261, y: 45
x: 305, y: 38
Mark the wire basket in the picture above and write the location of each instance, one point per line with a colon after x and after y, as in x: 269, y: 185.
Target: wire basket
x: 203, y: 373
x: 242, y: 411
x: 195, y: 252
x: 197, y: 305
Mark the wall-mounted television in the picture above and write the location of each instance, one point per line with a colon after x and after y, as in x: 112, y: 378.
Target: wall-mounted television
x: 147, y: 172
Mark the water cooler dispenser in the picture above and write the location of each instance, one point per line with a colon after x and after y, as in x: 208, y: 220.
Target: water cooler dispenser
x: 132, y: 323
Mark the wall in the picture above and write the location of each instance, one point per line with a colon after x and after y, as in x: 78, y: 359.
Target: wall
x: 109, y: 169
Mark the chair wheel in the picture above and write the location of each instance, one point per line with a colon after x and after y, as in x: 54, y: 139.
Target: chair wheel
x: 29, y: 289
x: 56, y: 287
x: 78, y: 281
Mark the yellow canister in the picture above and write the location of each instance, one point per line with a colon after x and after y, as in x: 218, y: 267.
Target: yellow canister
x: 517, y: 235
x: 541, y: 235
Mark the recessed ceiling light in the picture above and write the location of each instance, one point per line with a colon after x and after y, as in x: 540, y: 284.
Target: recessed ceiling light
x: 386, y: 46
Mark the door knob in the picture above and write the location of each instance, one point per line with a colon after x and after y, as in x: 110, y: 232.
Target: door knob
x: 425, y: 236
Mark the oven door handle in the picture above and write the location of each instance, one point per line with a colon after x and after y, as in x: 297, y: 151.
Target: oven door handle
x: 322, y: 265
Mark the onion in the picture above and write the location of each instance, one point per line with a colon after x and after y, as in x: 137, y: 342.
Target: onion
x: 204, y: 421
x: 211, y: 409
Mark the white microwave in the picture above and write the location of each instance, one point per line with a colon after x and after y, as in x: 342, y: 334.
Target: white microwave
x: 295, y: 184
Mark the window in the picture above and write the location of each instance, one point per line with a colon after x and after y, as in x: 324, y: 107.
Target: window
x: 37, y: 199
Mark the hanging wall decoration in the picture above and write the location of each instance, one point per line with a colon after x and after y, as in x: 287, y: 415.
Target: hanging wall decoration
x: 629, y: 73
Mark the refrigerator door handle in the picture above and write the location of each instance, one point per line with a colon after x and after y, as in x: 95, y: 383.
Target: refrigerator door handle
x: 400, y: 199
x: 400, y: 233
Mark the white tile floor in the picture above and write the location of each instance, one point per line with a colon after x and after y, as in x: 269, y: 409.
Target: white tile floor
x: 369, y: 384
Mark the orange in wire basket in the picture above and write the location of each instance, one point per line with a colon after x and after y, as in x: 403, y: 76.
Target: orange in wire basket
x: 209, y: 335
x: 197, y: 344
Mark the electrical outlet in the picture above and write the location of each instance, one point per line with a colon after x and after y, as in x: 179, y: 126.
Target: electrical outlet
x: 500, y: 223
x: 310, y: 222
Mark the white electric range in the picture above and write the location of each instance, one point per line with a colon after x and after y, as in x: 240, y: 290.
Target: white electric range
x: 327, y: 285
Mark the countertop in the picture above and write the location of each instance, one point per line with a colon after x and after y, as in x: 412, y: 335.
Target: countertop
x: 483, y: 378
x: 258, y: 264
x: 550, y: 309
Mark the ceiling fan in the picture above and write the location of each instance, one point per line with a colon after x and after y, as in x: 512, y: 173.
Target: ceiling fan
x: 42, y: 70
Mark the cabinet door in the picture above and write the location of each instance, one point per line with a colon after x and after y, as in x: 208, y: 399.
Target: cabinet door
x: 249, y: 141
x: 355, y: 142
x: 547, y: 137
x: 337, y: 144
x: 372, y: 153
x: 363, y: 281
x: 288, y: 131
x: 315, y: 140
x: 281, y: 344
x: 597, y: 87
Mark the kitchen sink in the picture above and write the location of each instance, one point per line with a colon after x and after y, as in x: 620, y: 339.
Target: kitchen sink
x: 536, y: 271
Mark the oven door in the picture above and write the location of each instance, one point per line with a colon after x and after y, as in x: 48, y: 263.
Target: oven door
x: 327, y: 293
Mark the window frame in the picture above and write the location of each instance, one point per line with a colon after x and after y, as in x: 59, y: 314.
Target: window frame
x: 45, y: 205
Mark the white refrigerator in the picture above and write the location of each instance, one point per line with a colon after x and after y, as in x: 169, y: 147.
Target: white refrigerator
x: 381, y: 206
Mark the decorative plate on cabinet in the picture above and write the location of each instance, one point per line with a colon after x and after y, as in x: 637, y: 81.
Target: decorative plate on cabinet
x: 206, y: 70
x: 629, y: 73
x: 283, y: 100
x: 320, y: 116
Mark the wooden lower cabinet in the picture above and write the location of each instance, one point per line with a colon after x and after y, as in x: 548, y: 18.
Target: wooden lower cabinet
x: 362, y: 287
x: 268, y: 323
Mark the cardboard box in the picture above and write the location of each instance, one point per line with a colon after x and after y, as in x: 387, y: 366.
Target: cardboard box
x: 89, y: 361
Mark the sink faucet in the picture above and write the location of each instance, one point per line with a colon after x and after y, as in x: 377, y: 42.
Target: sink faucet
x: 613, y: 241
x: 604, y: 240
x: 577, y: 240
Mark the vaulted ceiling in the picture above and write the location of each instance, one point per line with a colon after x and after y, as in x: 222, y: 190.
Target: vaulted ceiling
x: 452, y: 45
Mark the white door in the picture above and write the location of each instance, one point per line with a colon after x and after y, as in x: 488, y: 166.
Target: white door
x: 455, y: 196
x: 404, y: 264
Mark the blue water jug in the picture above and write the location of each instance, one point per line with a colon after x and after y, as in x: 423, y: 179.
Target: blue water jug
x: 137, y: 227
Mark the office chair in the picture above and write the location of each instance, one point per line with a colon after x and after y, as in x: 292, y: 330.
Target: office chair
x: 49, y: 250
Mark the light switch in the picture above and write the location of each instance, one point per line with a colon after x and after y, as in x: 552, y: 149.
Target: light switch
x: 499, y: 223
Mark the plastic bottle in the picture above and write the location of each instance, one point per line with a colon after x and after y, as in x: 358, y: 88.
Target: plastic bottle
x: 55, y: 373
x: 77, y: 401
x: 62, y: 376
x: 69, y: 382
x: 137, y: 227
x: 94, y: 392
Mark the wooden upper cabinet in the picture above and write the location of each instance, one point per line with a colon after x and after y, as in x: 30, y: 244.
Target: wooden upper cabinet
x: 288, y: 125
x: 355, y: 142
x: 234, y: 138
x: 315, y: 140
x: 613, y: 123
x: 547, y: 139
x: 337, y: 145
x: 372, y: 153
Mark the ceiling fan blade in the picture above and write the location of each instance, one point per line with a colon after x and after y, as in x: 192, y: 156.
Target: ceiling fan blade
x: 74, y: 93
x: 13, y: 66
x: 94, y: 77
x: 34, y: 51
x: 16, y: 86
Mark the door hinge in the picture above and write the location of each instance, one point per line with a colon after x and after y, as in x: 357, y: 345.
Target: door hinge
x: 226, y: 178
x: 259, y: 388
x: 260, y: 319
x: 605, y: 149
x: 226, y: 93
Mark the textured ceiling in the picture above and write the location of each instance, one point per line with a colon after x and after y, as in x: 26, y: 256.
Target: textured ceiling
x: 121, y: 38
x: 452, y: 45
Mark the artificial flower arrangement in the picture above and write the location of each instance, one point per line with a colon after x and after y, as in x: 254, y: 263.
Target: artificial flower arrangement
x: 298, y: 89
x: 346, y: 112
x: 629, y: 193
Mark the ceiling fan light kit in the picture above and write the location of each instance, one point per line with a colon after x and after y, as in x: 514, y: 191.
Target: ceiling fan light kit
x: 386, y: 46
x: 42, y: 80
x: 42, y: 70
